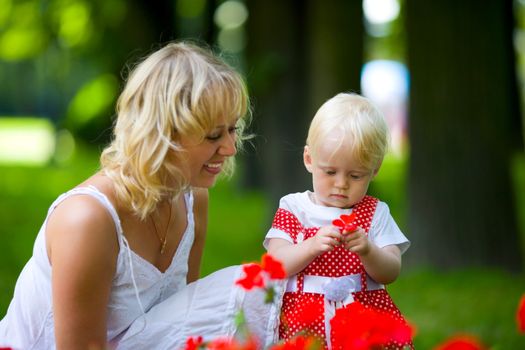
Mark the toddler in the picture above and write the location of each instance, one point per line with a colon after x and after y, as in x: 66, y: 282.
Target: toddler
x: 346, y: 143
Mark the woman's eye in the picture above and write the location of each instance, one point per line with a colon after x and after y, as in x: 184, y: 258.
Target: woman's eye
x: 214, y: 137
x: 233, y: 129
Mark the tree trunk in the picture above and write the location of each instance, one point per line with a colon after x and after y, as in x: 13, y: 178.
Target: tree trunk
x: 278, y: 78
x: 464, y: 126
x: 300, y: 53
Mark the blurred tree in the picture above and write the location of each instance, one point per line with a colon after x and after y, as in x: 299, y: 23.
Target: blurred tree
x: 62, y: 59
x: 300, y: 53
x: 465, y: 125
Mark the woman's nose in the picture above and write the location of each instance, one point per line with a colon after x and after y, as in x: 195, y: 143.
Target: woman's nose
x: 227, y: 147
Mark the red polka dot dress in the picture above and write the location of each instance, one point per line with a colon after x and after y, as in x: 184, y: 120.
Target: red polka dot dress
x: 303, y: 307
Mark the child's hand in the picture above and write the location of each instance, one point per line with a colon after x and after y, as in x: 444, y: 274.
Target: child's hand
x: 356, y: 241
x: 325, y: 240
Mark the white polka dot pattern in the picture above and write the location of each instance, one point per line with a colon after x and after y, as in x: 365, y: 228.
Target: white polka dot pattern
x: 304, y: 312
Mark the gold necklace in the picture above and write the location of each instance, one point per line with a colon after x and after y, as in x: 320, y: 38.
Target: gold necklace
x: 164, y: 240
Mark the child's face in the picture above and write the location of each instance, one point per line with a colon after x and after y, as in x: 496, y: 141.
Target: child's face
x: 338, y: 179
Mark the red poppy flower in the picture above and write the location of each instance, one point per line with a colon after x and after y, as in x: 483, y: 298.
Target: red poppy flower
x: 299, y: 342
x: 252, y: 277
x: 273, y: 267
x: 358, y: 327
x: 192, y: 343
x: 222, y: 343
x: 461, y: 342
x: 250, y: 344
x: 520, y: 314
x: 346, y: 223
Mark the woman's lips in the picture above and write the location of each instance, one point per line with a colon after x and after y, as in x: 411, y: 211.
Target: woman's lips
x: 213, y: 168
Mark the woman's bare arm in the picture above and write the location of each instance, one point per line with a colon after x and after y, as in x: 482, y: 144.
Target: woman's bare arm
x: 82, y: 247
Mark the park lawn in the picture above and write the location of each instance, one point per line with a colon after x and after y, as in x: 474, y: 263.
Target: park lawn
x: 439, y: 304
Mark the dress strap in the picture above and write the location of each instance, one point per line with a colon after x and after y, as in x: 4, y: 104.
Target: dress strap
x: 98, y: 195
x: 364, y: 211
x: 123, y: 243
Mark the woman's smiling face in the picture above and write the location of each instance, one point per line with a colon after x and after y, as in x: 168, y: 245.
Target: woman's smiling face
x: 204, y: 159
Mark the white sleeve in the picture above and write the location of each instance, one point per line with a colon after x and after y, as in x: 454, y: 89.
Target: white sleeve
x: 275, y: 233
x: 384, y: 230
x: 286, y: 203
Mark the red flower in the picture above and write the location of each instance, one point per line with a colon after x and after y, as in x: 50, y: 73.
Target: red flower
x: 192, y: 343
x: 300, y: 342
x: 357, y: 327
x: 222, y: 344
x: 250, y: 344
x: 520, y: 315
x: 253, y: 273
x: 273, y: 267
x: 461, y: 342
x: 252, y: 277
x: 346, y: 223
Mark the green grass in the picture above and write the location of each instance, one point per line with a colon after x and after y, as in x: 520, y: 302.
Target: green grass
x: 236, y: 227
x: 440, y: 304
x: 479, y: 302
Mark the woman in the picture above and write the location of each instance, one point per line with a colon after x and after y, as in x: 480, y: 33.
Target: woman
x: 132, y: 234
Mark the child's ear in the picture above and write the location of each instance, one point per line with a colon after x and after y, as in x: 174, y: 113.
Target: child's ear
x: 307, y: 159
x: 376, y: 170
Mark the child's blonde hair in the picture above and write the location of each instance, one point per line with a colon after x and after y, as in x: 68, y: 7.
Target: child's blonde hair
x: 360, y: 122
x: 179, y: 90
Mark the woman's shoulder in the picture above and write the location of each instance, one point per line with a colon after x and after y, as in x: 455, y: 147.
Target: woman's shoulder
x: 83, y: 216
x: 79, y: 213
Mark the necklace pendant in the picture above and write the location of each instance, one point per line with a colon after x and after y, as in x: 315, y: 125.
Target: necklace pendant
x: 163, y: 246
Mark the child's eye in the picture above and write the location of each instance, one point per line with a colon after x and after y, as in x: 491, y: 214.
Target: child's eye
x: 356, y: 177
x: 330, y: 172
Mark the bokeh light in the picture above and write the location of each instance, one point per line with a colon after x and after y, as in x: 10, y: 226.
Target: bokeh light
x: 27, y: 141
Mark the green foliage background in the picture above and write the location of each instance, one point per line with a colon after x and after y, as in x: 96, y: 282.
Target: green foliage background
x: 55, y: 63
x: 440, y: 304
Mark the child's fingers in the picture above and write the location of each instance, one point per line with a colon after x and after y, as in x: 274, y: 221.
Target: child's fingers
x: 357, y: 229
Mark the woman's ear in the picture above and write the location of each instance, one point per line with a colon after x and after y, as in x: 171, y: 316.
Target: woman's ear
x: 307, y: 159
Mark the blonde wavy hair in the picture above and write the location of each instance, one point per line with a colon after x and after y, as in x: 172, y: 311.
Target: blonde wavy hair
x: 362, y: 126
x: 180, y: 90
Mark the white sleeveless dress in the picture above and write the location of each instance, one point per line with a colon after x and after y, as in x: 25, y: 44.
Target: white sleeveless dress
x: 137, y: 284
x: 148, y: 309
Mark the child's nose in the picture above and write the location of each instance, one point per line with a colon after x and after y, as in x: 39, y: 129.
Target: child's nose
x: 341, y: 182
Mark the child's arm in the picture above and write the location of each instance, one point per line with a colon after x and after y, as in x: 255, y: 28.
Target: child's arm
x: 295, y: 257
x: 382, y: 264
